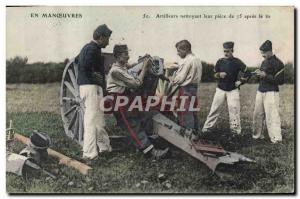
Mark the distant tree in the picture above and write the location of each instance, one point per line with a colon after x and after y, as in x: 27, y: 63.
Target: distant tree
x: 289, y: 73
x: 14, y: 67
x: 66, y: 61
x: 19, y: 71
x: 17, y: 61
x: 207, y: 72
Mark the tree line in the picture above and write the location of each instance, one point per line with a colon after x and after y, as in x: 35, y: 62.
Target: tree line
x: 19, y: 71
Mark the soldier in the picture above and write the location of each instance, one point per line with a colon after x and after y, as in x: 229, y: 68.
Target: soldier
x: 266, y: 111
x: 187, y: 78
x: 227, y: 70
x: 91, y: 81
x: 121, y: 83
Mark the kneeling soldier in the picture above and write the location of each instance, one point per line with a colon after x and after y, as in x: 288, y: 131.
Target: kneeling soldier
x: 119, y: 83
x: 266, y: 109
x: 227, y: 70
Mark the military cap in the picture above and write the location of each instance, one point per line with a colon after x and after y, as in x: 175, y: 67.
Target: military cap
x: 120, y: 48
x: 266, y: 46
x: 103, y: 30
x: 228, y: 45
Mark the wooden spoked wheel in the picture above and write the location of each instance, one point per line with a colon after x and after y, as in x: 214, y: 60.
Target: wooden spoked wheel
x: 72, y: 107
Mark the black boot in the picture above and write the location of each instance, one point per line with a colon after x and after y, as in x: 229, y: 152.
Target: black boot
x: 88, y: 161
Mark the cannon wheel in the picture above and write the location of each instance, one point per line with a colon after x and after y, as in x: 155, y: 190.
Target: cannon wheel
x: 71, y: 106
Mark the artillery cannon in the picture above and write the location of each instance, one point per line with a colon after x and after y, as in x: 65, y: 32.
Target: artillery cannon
x: 71, y: 105
x: 72, y: 110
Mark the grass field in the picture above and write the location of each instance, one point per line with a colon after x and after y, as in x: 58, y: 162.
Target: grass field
x: 35, y: 106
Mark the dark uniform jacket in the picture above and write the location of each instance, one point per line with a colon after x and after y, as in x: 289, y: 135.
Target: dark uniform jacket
x: 232, y: 66
x: 274, y: 70
x: 90, y: 65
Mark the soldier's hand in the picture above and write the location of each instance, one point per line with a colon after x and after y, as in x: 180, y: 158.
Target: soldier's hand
x: 175, y: 65
x: 147, y: 56
x: 261, y: 73
x: 148, y: 62
x: 238, y: 84
x: 223, y: 75
x: 257, y: 71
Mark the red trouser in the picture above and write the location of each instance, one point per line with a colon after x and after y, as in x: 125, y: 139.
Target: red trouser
x: 136, y: 123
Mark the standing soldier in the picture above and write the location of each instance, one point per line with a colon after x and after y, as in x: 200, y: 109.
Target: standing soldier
x: 271, y: 74
x: 187, y: 78
x: 227, y: 70
x: 91, y: 81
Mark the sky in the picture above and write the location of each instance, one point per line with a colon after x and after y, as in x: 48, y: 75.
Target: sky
x: 55, y: 39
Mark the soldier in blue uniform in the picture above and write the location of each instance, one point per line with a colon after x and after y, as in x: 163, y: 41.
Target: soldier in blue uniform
x: 227, y: 70
x: 266, y: 111
x: 91, y: 81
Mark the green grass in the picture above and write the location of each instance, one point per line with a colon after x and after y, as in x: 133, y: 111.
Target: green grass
x: 126, y: 171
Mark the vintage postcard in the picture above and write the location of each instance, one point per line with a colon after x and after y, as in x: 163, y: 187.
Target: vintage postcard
x: 150, y: 100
